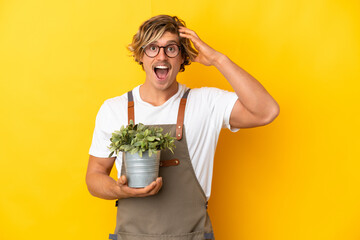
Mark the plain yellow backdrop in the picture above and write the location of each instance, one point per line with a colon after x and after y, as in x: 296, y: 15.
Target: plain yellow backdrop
x: 297, y: 178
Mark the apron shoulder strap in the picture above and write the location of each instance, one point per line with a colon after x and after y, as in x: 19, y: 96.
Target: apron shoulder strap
x: 131, y: 115
x: 180, y: 118
x: 181, y: 115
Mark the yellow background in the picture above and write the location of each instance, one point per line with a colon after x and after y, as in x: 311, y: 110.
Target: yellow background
x: 297, y: 178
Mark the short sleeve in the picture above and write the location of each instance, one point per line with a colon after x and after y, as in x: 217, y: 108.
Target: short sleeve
x: 221, y: 103
x: 102, y: 133
x: 232, y: 98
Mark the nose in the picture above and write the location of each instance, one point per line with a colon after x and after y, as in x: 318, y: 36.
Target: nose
x: 162, y: 54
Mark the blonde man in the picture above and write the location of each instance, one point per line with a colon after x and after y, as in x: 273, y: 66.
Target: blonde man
x: 175, y: 205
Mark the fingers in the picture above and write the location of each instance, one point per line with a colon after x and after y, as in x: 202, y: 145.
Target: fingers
x: 149, y: 190
x: 190, y: 34
x: 186, y: 31
x: 157, y: 187
x: 152, y: 189
x: 193, y: 38
x: 206, y: 54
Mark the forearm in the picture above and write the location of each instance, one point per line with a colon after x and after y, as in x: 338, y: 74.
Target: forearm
x: 249, y: 91
x: 102, y: 186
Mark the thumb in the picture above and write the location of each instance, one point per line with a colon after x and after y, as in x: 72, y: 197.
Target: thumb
x: 122, y: 180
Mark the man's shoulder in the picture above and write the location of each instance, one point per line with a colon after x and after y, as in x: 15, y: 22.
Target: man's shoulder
x: 114, y: 104
x: 206, y: 91
x: 118, y: 100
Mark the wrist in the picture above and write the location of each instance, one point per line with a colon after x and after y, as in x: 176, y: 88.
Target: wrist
x: 219, y: 59
x: 115, y: 190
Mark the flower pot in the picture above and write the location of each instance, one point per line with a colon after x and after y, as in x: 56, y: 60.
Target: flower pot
x: 141, y: 171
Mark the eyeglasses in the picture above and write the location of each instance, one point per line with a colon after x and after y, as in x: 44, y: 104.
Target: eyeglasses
x: 171, y: 50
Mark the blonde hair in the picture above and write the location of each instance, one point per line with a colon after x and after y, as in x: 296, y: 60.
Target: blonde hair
x: 153, y: 29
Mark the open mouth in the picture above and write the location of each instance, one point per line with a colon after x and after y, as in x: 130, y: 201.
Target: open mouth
x: 161, y: 71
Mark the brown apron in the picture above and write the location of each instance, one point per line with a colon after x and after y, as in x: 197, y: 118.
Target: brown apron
x: 178, y: 210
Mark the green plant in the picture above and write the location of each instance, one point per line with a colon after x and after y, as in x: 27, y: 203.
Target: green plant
x: 139, y: 138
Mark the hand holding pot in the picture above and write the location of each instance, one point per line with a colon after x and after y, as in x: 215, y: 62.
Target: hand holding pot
x: 127, y: 192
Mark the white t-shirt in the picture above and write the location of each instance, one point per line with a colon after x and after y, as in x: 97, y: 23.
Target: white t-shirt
x: 207, y: 111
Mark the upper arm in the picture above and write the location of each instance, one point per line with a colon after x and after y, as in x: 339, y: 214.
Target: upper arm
x: 241, y: 117
x: 100, y: 165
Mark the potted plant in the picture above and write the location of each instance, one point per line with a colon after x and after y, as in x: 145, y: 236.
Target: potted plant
x: 141, y: 146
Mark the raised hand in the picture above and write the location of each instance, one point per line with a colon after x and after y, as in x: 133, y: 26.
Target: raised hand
x: 207, y: 55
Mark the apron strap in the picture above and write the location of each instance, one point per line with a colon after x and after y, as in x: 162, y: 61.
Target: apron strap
x: 131, y: 115
x: 181, y: 115
x: 180, y: 118
x: 168, y: 163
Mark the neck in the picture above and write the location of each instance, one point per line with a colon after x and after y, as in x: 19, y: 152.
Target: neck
x: 157, y: 97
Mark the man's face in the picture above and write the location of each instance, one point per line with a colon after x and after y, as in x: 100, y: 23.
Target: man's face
x: 161, y: 70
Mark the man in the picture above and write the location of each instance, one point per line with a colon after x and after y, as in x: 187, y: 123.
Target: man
x: 173, y: 206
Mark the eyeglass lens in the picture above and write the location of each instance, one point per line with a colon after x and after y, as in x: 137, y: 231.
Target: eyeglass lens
x: 171, y: 50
